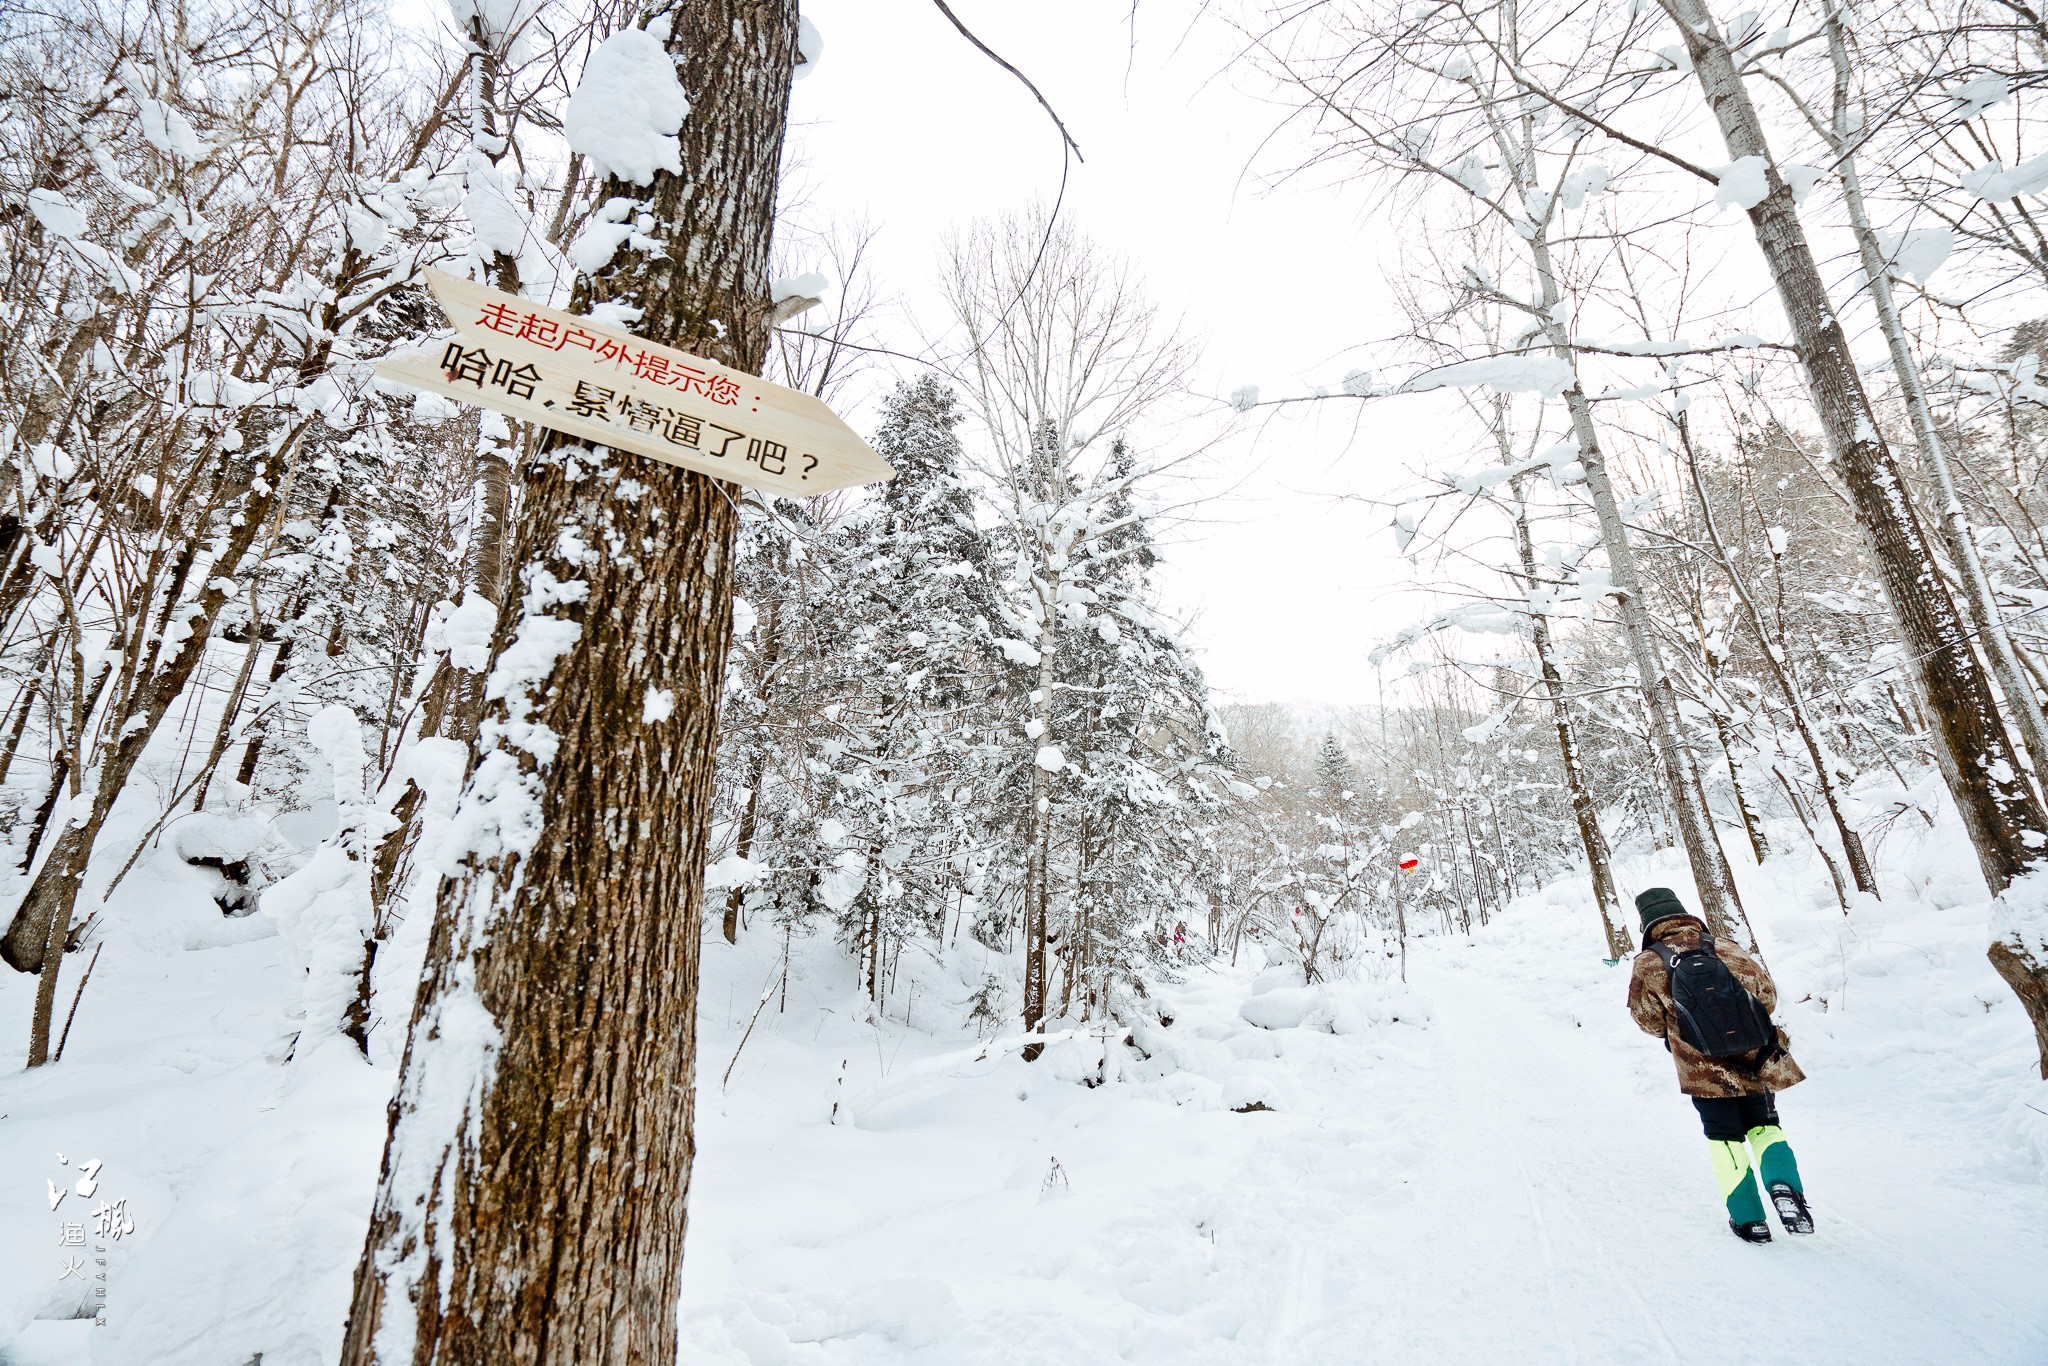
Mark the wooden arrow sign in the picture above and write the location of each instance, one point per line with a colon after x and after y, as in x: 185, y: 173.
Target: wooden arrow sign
x: 606, y: 386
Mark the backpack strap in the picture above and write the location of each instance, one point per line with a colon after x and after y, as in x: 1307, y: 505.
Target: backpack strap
x: 1679, y: 1014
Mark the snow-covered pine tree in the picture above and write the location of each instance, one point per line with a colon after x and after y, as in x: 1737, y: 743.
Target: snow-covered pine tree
x: 774, y: 692
x: 1147, y: 760
x: 919, y: 671
x: 1335, y: 775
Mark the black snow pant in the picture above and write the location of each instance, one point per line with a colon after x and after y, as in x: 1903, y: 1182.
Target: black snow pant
x: 1728, y: 1119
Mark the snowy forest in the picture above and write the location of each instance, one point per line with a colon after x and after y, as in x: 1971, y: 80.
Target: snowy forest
x: 476, y: 896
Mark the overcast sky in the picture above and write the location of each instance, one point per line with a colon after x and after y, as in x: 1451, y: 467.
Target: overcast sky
x: 1285, y: 575
x: 1287, y: 587
x: 1287, y: 572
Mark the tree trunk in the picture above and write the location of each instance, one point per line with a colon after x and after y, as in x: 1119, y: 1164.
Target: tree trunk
x: 757, y: 773
x: 1759, y: 843
x: 280, y: 661
x: 1998, y: 806
x: 1719, y: 903
x: 493, y: 452
x: 2024, y: 972
x: 25, y: 707
x: 231, y: 709
x: 532, y: 1204
x: 750, y: 816
x: 1038, y: 863
x: 456, y: 696
x: 1827, y: 859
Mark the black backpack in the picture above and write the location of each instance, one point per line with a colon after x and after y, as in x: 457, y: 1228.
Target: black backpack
x: 1716, y: 1013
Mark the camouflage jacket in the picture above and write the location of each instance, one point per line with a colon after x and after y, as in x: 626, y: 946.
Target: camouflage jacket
x: 1649, y: 1000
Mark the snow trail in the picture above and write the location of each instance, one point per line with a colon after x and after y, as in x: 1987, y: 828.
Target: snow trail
x: 1518, y: 1178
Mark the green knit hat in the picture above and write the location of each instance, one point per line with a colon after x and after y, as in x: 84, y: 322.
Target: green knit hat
x: 1659, y: 903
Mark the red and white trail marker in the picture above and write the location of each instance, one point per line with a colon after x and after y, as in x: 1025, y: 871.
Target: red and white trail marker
x: 606, y: 386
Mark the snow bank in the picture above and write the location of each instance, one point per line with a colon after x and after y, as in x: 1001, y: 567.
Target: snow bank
x: 259, y: 1254
x: 1284, y: 1007
x: 1248, y: 1092
x: 168, y: 906
x: 227, y: 836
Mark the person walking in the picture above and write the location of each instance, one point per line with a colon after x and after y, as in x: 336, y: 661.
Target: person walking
x: 1711, y: 1003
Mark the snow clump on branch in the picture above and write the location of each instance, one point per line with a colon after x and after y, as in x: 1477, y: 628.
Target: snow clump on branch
x: 626, y: 111
x: 1547, y: 375
x: 1742, y: 183
x: 1994, y: 183
x: 505, y: 22
x: 1917, y: 252
x: 810, y: 48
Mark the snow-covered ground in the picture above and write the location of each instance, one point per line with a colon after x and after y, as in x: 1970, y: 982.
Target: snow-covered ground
x: 1504, y: 1172
x: 1488, y: 1164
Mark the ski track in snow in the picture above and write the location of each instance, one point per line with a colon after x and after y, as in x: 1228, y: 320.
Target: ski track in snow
x: 1505, y: 1173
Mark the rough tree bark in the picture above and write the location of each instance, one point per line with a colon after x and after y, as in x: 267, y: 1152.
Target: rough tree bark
x: 535, y: 1180
x: 1759, y: 842
x: 2021, y: 969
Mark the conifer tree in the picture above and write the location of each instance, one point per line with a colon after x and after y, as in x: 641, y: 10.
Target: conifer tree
x: 1335, y: 774
x: 920, y: 669
x: 1148, y: 758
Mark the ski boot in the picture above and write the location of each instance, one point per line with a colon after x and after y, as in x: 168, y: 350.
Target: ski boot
x: 1758, y: 1232
x: 1791, y: 1206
